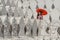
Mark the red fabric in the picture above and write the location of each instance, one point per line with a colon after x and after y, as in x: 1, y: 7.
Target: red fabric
x: 37, y: 10
x: 44, y: 12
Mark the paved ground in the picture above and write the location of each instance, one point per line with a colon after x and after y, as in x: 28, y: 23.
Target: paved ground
x: 43, y: 34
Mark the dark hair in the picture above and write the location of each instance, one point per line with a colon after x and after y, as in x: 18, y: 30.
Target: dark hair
x: 37, y: 15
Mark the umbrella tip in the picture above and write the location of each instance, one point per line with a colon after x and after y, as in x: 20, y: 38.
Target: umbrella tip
x: 45, y: 6
x: 53, y: 6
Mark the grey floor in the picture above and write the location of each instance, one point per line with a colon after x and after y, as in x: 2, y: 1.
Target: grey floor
x: 48, y: 28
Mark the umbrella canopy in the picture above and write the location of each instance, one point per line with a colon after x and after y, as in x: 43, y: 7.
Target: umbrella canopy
x: 44, y: 12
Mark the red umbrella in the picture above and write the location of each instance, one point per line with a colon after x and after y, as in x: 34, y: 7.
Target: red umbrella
x: 44, y: 12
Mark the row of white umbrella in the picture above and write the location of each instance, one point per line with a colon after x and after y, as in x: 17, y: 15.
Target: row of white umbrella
x: 27, y: 27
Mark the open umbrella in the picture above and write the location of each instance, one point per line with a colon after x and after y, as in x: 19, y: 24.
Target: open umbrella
x: 44, y: 12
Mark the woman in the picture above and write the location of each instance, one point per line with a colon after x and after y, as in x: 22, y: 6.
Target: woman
x: 39, y: 16
x: 41, y: 13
